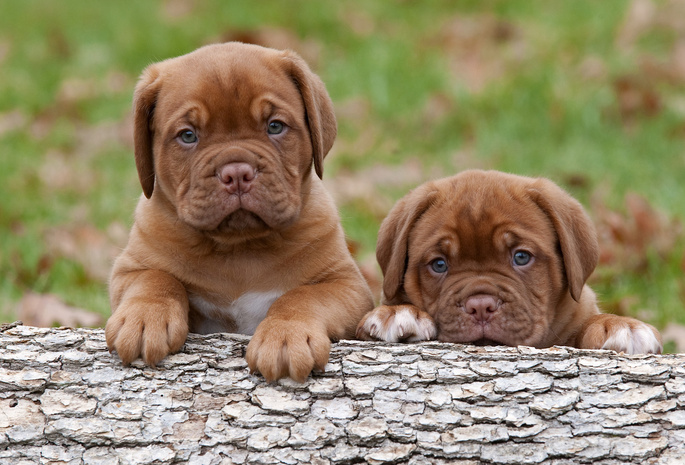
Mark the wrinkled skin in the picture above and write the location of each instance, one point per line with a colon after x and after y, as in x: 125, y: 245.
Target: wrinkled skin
x: 493, y: 258
x: 235, y: 231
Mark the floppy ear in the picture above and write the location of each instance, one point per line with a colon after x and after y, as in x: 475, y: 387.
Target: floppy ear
x: 576, y: 233
x: 393, y: 240
x: 144, y: 99
x: 318, y: 108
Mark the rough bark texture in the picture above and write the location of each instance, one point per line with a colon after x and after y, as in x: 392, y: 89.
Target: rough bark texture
x: 65, y: 399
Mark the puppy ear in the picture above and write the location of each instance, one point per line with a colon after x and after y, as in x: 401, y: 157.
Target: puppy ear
x: 144, y: 99
x: 318, y: 108
x: 393, y: 240
x: 576, y: 233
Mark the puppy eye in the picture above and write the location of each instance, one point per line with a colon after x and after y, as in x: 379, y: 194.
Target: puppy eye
x: 439, y: 265
x: 188, y: 137
x: 275, y: 127
x: 521, y: 258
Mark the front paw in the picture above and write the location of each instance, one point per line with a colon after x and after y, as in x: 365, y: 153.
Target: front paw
x: 397, y: 323
x: 151, y: 333
x: 281, y: 348
x: 619, y: 333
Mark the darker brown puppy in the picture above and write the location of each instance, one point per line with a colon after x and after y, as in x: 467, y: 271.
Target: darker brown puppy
x: 235, y: 231
x: 491, y: 258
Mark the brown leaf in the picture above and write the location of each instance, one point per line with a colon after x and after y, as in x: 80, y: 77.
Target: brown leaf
x: 75, y: 89
x: 636, y: 97
x: 60, y: 171
x: 277, y: 38
x: 12, y: 121
x: 89, y: 246
x: 480, y: 48
x: 359, y: 22
x: 593, y: 68
x: 5, y: 47
x: 670, y: 70
x: 355, y: 110
x: 437, y: 107
x: 366, y: 186
x: 676, y: 334
x: 177, y: 9
x: 645, y: 17
x: 639, y: 18
x: 26, y: 275
x: 47, y: 310
x: 627, y: 239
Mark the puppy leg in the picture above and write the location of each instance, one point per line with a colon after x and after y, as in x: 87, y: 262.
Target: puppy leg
x: 150, y: 320
x: 619, y: 333
x: 295, y: 337
x: 395, y: 323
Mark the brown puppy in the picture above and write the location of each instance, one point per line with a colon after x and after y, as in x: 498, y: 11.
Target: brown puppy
x: 235, y: 231
x: 492, y: 258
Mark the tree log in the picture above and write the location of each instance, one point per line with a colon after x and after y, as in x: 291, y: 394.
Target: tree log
x: 65, y: 399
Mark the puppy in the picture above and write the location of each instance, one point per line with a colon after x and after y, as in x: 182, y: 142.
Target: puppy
x: 486, y: 257
x: 235, y: 231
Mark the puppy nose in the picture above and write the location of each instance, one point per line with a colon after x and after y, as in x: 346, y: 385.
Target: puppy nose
x: 237, y: 176
x: 481, y: 306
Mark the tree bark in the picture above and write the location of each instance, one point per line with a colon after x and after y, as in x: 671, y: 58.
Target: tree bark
x: 65, y: 399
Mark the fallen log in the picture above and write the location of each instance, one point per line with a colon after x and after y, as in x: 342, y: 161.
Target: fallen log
x: 65, y: 399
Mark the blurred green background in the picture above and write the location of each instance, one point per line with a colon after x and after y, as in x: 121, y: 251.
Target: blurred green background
x: 587, y: 93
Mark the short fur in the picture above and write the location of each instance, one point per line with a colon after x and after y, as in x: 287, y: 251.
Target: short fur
x: 203, y: 254
x: 476, y: 222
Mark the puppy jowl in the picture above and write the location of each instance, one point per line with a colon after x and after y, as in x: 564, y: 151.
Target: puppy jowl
x: 230, y: 142
x: 485, y: 257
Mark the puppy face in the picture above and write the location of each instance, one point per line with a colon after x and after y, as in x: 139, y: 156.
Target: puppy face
x: 227, y: 136
x: 490, y: 256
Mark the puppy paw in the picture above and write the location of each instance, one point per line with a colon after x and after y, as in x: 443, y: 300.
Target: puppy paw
x: 397, y: 323
x: 133, y: 331
x: 621, y: 334
x: 281, y: 349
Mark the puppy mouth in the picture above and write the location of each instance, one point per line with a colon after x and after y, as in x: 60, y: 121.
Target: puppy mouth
x: 242, y: 220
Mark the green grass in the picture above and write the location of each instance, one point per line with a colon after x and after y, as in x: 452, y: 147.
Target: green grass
x: 542, y: 114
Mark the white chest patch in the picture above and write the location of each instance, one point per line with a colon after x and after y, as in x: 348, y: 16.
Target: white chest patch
x: 247, y: 311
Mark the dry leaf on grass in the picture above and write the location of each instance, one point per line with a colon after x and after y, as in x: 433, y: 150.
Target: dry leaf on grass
x: 645, y: 17
x: 277, y: 38
x: 12, y: 121
x: 593, y: 68
x: 177, y: 9
x: 60, y: 171
x: 359, y: 22
x: 627, y: 239
x: 437, y: 107
x: 47, y: 310
x: 635, y: 97
x: 366, y: 186
x: 675, y: 333
x: 481, y: 48
x: 5, y: 47
x: 68, y: 103
x: 639, y: 18
x: 87, y: 245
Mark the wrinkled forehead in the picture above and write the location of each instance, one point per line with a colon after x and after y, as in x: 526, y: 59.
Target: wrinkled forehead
x: 473, y: 216
x: 227, y: 80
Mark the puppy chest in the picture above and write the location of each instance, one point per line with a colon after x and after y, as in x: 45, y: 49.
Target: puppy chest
x: 241, y: 316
